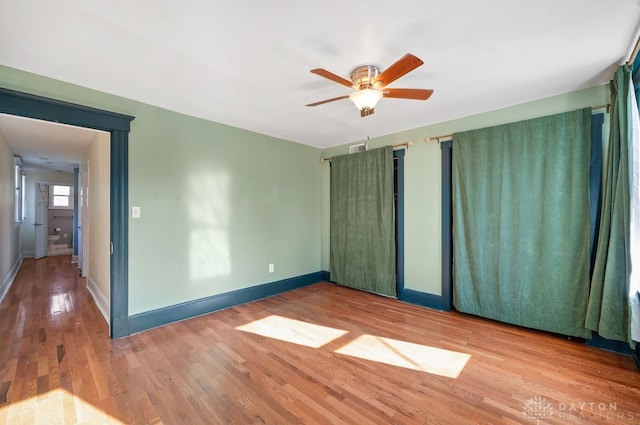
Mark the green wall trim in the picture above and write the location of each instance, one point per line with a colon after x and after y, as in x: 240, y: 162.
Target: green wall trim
x: 595, y: 182
x: 436, y: 302
x: 76, y: 197
x: 28, y: 105
x: 174, y: 313
x: 447, y: 226
x: 119, y: 197
x: 399, y: 157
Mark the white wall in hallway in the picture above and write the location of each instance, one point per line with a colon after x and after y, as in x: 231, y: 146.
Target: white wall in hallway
x: 96, y: 222
x: 9, y: 230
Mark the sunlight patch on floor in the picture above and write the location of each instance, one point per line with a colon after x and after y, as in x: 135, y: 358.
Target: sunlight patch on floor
x: 55, y: 407
x: 294, y: 331
x: 59, y: 303
x: 406, y: 354
x: 389, y: 351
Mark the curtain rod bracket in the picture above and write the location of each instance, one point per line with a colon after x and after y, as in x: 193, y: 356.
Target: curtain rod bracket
x: 399, y: 145
x: 634, y: 52
x: 436, y: 139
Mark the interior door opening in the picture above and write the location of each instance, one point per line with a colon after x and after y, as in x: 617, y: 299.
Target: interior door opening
x: 117, y: 126
x: 595, y: 176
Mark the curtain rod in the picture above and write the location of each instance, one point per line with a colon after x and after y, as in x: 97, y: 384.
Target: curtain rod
x: 404, y: 145
x: 447, y: 137
x: 634, y: 52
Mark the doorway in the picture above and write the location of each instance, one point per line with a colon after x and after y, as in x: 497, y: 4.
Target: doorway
x: 595, y: 176
x: 54, y: 219
x: 370, y: 283
x: 118, y: 126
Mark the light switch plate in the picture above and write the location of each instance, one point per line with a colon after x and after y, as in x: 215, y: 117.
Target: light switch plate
x: 135, y: 212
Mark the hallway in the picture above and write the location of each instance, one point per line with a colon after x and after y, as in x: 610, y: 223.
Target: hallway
x: 50, y: 337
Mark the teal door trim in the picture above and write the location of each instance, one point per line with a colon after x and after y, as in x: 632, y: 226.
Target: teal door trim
x: 118, y: 125
x: 398, y: 157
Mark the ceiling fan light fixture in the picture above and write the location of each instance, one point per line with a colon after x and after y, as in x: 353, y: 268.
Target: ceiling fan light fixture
x: 365, y: 99
x: 371, y: 84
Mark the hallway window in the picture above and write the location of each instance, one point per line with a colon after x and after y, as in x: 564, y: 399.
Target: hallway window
x: 19, y: 198
x: 23, y: 194
x: 61, y: 197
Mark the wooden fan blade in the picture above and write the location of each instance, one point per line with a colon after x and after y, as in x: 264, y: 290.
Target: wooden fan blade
x: 417, y: 94
x: 405, y: 64
x: 331, y: 76
x: 328, y: 100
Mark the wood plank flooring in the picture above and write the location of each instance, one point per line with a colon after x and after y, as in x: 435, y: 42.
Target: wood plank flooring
x: 318, y: 355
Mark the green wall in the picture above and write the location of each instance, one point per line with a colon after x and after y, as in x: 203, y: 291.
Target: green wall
x: 218, y: 204
x: 423, y: 181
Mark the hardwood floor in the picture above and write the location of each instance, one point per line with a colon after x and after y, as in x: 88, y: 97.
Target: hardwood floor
x: 318, y: 355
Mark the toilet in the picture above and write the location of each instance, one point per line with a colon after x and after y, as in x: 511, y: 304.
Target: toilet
x: 52, y: 239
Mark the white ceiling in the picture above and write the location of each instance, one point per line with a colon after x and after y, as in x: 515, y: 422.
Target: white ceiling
x: 45, y: 145
x: 246, y: 63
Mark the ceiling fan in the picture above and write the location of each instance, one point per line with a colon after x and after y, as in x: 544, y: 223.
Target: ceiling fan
x: 371, y: 84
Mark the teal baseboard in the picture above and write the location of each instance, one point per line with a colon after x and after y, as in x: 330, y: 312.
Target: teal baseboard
x: 163, y: 316
x: 423, y: 299
x: 615, y: 346
x: 6, y: 283
x: 120, y: 328
x: 609, y: 344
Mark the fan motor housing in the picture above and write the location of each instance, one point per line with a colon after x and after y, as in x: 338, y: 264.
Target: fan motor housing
x: 363, y: 76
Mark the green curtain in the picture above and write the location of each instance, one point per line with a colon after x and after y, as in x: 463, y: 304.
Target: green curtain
x: 608, y: 310
x: 362, y: 221
x: 521, y: 222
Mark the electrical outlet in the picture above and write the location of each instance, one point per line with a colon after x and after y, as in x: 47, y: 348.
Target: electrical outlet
x: 272, y: 268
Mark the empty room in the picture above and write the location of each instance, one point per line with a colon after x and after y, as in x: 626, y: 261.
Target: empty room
x: 292, y: 213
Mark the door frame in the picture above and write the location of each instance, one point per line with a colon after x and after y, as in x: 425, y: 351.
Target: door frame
x: 118, y: 126
x: 41, y: 229
x: 398, y: 157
